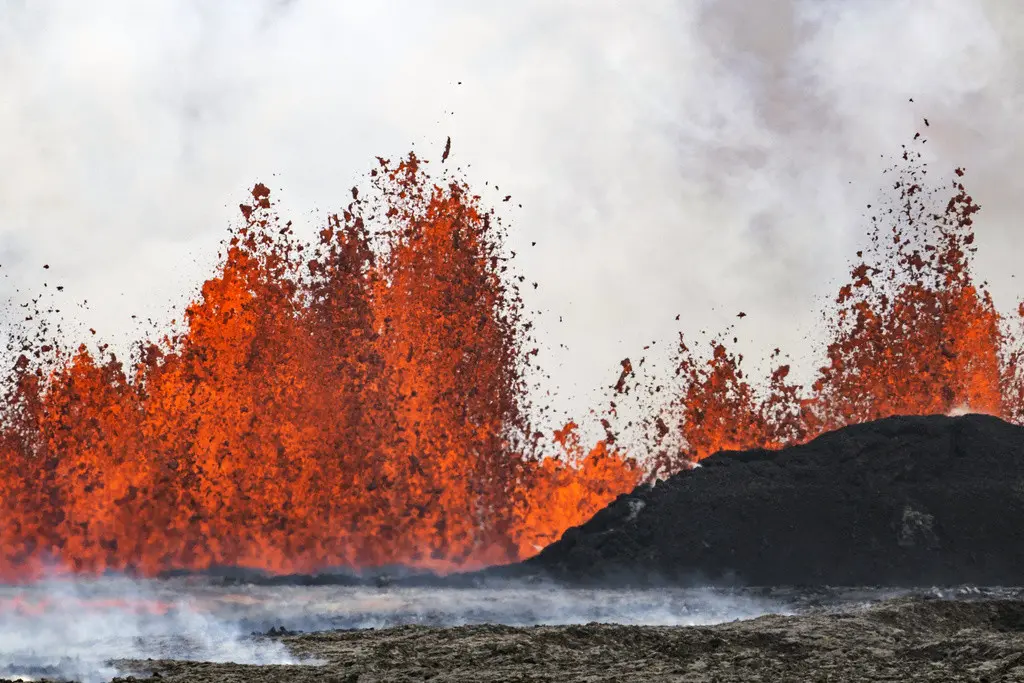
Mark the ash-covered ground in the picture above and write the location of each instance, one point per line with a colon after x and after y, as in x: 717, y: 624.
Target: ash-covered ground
x: 201, y: 629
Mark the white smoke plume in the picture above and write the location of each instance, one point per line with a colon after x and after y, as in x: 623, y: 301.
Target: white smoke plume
x: 693, y: 157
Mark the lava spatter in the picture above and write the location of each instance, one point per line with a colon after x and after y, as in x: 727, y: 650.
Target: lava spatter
x: 352, y: 402
x: 911, y: 333
x: 359, y: 400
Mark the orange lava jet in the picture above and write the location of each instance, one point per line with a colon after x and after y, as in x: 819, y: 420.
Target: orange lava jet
x: 354, y: 402
x: 911, y: 333
x: 359, y: 401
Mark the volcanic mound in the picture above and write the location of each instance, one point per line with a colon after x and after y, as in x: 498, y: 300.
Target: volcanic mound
x: 904, y: 501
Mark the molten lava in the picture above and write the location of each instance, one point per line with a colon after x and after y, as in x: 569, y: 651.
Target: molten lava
x: 911, y: 333
x: 355, y: 402
x: 360, y: 400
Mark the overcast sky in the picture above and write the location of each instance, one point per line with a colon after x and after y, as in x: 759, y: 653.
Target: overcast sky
x: 692, y: 157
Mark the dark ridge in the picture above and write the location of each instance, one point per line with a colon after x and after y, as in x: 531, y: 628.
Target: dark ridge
x: 904, y: 501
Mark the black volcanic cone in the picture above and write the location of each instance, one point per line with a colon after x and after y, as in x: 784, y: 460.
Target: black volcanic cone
x: 905, y: 501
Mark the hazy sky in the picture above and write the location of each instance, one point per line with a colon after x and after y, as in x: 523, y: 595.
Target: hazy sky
x: 692, y: 157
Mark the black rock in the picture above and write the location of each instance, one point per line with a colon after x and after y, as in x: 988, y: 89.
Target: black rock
x: 905, y: 501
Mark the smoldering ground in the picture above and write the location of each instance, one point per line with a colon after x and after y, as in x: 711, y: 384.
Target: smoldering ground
x: 74, y: 628
x: 85, y: 633
x: 95, y: 629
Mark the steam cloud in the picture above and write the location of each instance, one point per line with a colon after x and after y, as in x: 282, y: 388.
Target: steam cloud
x: 93, y: 629
x: 696, y: 157
x: 73, y: 629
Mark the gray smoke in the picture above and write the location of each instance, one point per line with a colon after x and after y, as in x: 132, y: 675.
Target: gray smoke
x: 694, y: 157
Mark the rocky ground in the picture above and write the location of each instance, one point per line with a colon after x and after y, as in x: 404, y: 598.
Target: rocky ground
x: 899, y: 640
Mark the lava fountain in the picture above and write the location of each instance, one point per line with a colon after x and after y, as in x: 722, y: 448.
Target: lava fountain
x: 359, y: 400
x: 911, y: 333
x: 353, y: 402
